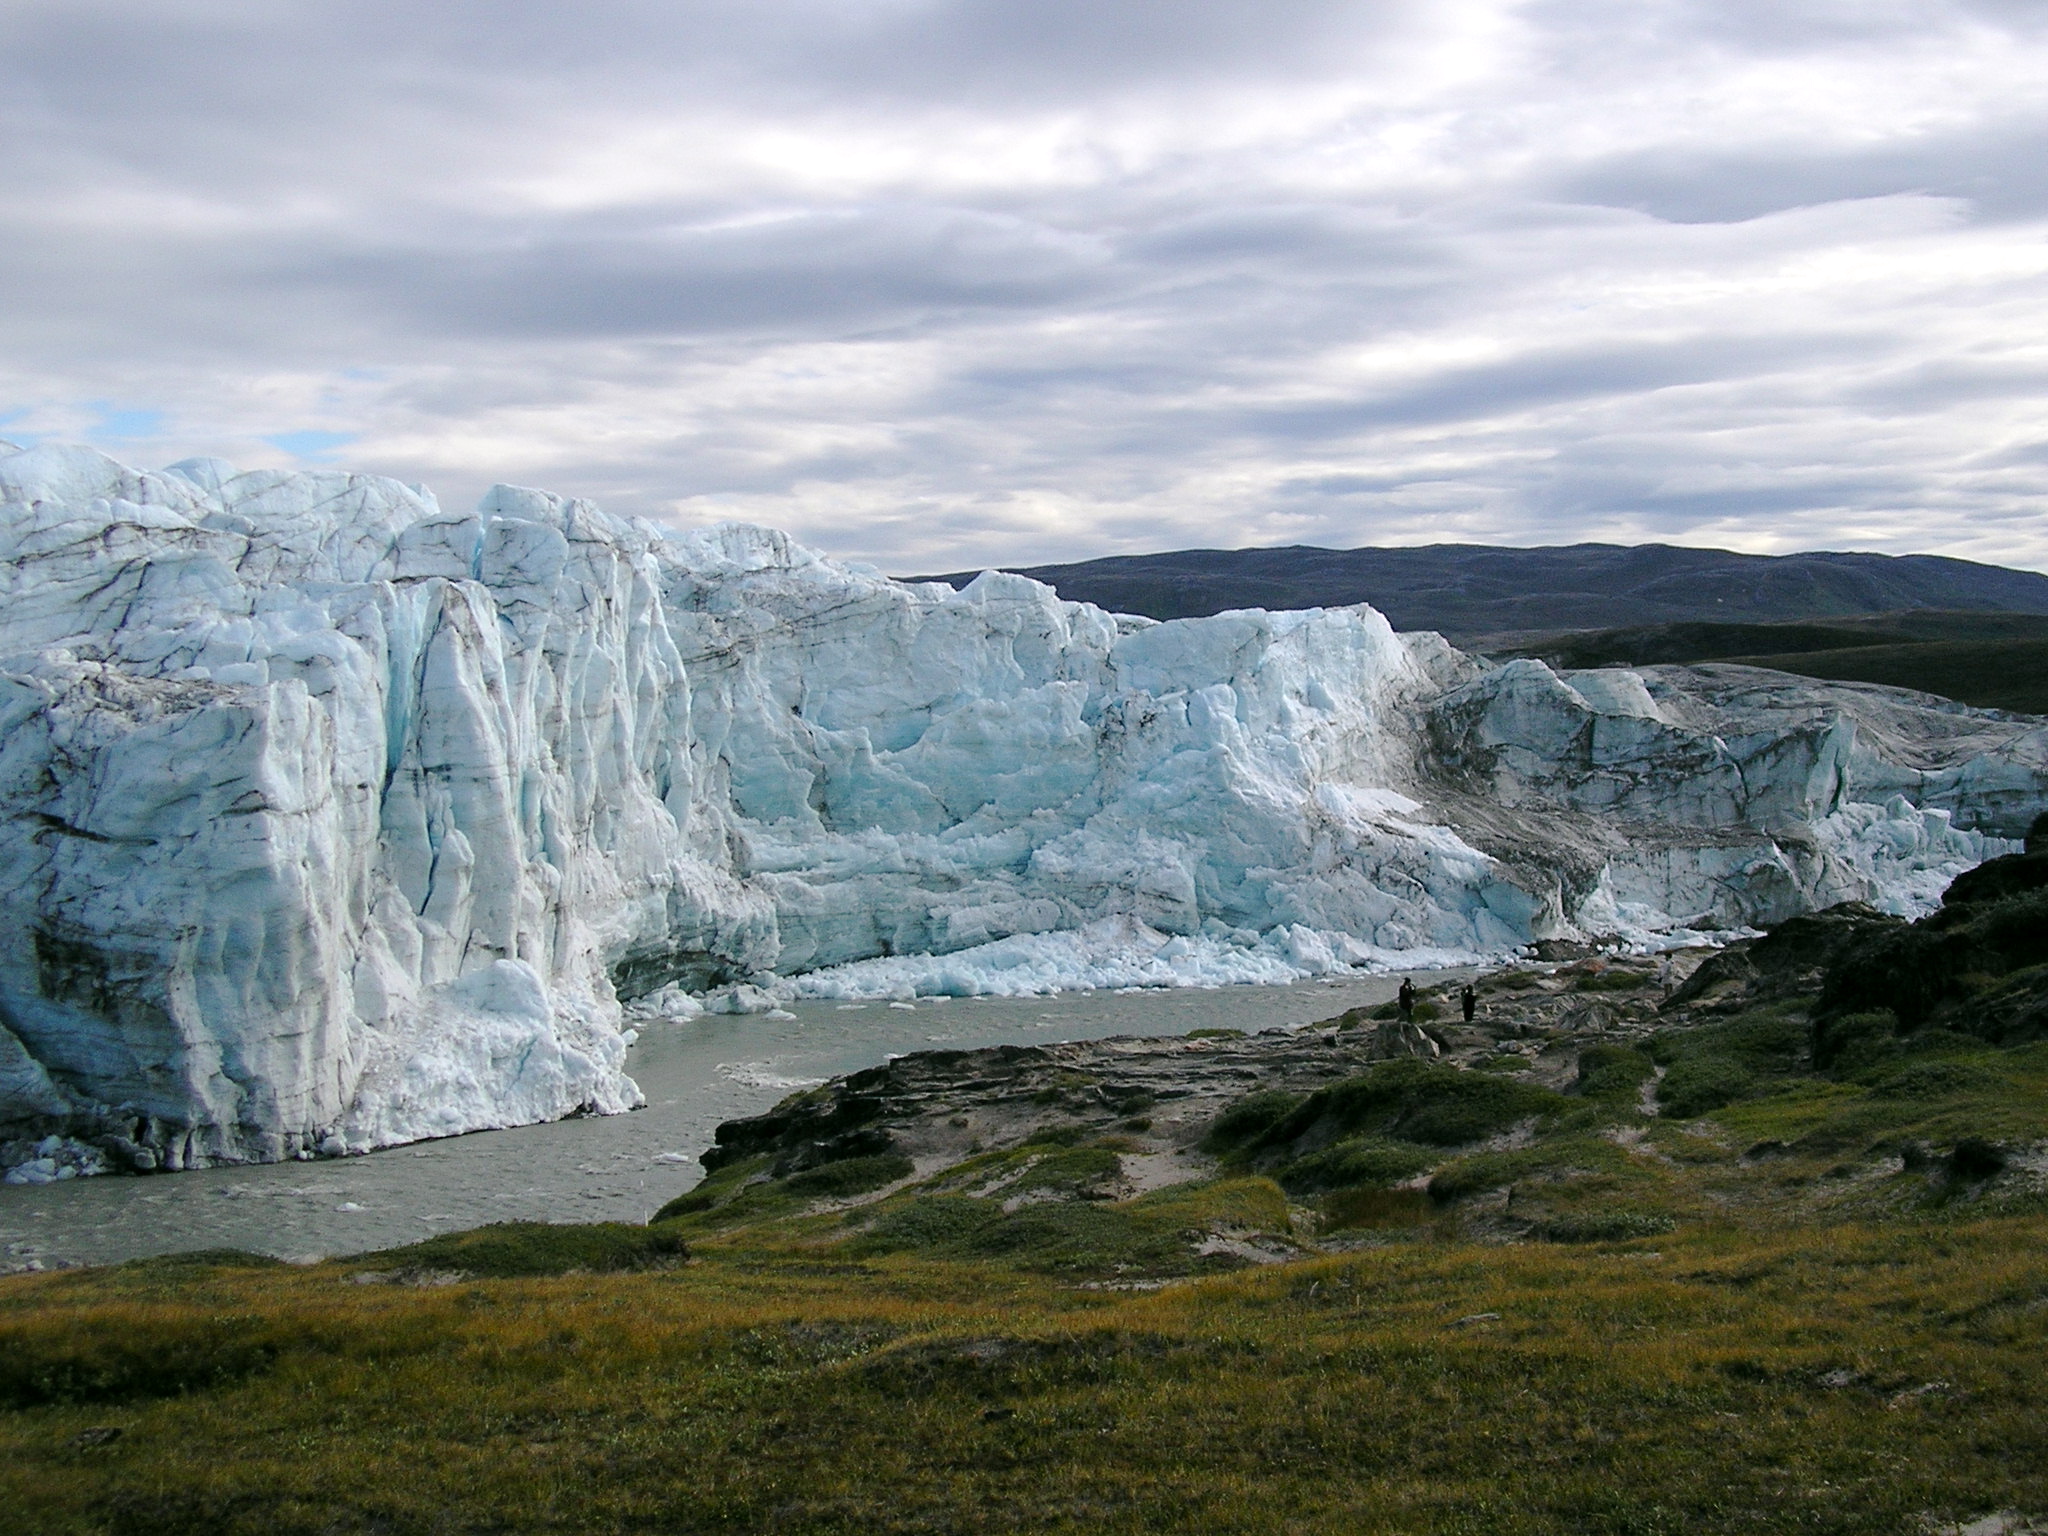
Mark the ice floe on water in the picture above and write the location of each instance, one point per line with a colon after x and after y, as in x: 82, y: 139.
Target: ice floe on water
x: 332, y: 819
x: 762, y: 1074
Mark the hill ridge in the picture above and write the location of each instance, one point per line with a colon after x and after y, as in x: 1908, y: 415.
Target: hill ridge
x: 1469, y: 591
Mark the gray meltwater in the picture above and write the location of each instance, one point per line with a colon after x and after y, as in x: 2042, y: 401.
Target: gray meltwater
x: 605, y: 1168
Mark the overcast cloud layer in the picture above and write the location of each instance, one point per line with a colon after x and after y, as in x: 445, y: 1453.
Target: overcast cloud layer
x: 946, y: 283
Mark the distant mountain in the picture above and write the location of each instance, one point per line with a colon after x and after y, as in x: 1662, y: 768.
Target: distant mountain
x: 1470, y: 591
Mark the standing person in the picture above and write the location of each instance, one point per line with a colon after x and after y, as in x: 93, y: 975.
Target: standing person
x: 1406, y: 998
x: 1469, y: 1001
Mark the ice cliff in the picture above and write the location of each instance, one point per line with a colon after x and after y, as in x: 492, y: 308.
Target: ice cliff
x: 330, y: 819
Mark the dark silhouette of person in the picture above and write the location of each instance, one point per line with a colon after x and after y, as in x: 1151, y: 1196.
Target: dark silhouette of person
x: 1469, y: 1001
x: 1406, y: 998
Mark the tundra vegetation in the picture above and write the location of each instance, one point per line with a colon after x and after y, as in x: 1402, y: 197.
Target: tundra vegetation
x: 1759, y: 1248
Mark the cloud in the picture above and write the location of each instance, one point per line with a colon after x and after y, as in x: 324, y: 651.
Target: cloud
x: 2001, y: 172
x: 942, y: 283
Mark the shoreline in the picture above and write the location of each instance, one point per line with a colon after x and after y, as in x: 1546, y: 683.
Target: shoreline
x: 696, y: 1074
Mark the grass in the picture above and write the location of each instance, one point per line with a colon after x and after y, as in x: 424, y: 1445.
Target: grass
x: 1839, y: 1380
x: 1795, y: 1301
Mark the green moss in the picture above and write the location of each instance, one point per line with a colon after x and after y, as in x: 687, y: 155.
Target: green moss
x: 1933, y: 1094
x: 854, y: 1176
x: 1613, y: 979
x: 1061, y: 1235
x: 1358, y: 1160
x: 1551, y: 1158
x: 1702, y: 1083
x: 1613, y: 1073
x: 1243, y: 1204
x: 739, y: 1193
x: 1723, y: 1063
x: 1071, y: 1170
x: 692, y: 1203
x: 1857, y: 1041
x: 1351, y: 1209
x: 1925, y: 1080
x: 1153, y: 1234
x: 1769, y: 1040
x: 1076, y: 1236
x: 979, y: 1170
x: 1410, y: 1100
x: 1607, y: 1227
x: 1248, y: 1119
x: 171, y: 1357
x: 717, y: 1187
x: 1794, y: 1108
x: 511, y: 1248
x: 927, y: 1223
x: 173, y: 1265
x: 1056, y: 1136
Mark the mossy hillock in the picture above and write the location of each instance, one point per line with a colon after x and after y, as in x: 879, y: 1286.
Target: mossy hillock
x: 1412, y: 1101
x: 1977, y: 966
x: 514, y: 1248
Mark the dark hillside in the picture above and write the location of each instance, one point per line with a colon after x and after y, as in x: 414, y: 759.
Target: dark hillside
x: 1991, y: 660
x: 2011, y: 675
x: 1466, y: 590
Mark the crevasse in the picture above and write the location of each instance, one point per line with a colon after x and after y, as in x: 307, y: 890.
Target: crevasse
x: 330, y: 819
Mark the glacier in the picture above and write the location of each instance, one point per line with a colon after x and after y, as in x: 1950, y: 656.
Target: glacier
x: 331, y: 819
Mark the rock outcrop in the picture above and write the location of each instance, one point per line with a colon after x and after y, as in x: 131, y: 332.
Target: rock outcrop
x: 1976, y: 966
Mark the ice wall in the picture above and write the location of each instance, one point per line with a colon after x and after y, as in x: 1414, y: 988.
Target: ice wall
x: 330, y: 819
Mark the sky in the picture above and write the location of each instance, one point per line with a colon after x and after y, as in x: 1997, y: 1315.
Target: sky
x: 942, y: 284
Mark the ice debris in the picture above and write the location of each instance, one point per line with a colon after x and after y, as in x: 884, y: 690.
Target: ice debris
x: 332, y: 819
x: 51, y: 1160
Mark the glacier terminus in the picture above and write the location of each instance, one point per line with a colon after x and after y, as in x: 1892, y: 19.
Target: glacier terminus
x: 330, y: 819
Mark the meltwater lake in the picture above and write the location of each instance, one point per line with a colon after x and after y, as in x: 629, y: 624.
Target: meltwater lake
x: 606, y: 1168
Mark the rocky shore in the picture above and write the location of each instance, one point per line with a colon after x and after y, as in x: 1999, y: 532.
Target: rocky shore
x: 1154, y: 1103
x: 1846, y: 1064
